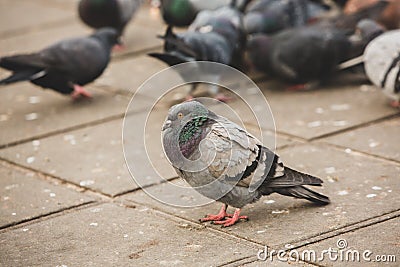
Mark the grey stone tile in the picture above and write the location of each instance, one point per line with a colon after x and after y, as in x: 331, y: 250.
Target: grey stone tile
x: 131, y: 73
x: 309, y: 114
x: 379, y: 139
x: 359, y: 188
x: 117, y: 236
x: 381, y: 239
x: 25, y: 196
x: 17, y: 15
x: 28, y: 111
x: 91, y: 157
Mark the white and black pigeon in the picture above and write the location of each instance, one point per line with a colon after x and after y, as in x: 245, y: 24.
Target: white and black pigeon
x: 312, y: 53
x: 382, y: 64
x: 215, y: 35
x: 65, y: 66
x: 108, y: 13
x: 224, y: 162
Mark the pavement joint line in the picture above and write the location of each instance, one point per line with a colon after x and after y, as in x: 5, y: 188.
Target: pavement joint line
x: 358, y: 152
x: 60, y: 212
x: 301, y: 242
x: 355, y: 127
x: 64, y: 130
x: 54, y: 179
x: 144, y: 187
x: 352, y: 227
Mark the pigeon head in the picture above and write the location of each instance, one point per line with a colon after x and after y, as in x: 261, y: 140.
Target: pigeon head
x: 186, y: 124
x: 368, y: 29
x: 108, y: 36
x: 178, y: 13
x: 269, y: 22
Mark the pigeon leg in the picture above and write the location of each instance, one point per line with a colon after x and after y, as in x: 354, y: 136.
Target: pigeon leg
x: 221, y: 215
x: 118, y: 48
x: 395, y: 103
x: 79, y: 91
x: 232, y: 220
x: 223, y: 98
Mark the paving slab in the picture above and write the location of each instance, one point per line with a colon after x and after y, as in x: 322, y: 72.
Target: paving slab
x: 379, y: 139
x: 127, y: 237
x: 29, y: 16
x: 28, y: 111
x: 382, y: 240
x: 310, y: 114
x: 129, y: 74
x: 91, y: 157
x: 359, y: 188
x: 25, y: 196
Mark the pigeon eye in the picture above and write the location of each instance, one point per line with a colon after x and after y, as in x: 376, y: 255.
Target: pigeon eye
x: 180, y: 115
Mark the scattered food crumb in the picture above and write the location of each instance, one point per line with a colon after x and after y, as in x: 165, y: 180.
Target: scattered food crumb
x: 371, y: 195
x: 343, y: 193
x: 31, y: 116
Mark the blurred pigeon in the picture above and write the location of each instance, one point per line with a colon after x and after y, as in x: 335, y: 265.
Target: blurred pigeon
x: 181, y: 13
x: 382, y: 64
x: 215, y: 36
x: 271, y: 16
x: 65, y: 66
x: 310, y: 53
x: 228, y: 164
x: 389, y: 17
x: 108, y: 13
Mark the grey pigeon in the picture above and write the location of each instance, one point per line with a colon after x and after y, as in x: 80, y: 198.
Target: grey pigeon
x: 271, y: 16
x: 382, y: 64
x: 215, y: 35
x: 310, y: 53
x: 108, y: 13
x: 65, y: 66
x: 223, y: 162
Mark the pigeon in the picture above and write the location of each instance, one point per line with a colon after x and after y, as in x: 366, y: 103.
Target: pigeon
x: 65, y: 66
x: 311, y: 53
x: 271, y: 16
x: 215, y: 36
x: 224, y: 162
x: 108, y: 13
x: 181, y: 13
x: 382, y: 64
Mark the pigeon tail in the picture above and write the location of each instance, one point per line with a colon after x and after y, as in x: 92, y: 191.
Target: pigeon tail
x: 19, y: 77
x: 291, y: 184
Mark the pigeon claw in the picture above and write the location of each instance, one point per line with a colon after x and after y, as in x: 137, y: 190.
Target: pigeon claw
x: 223, y: 98
x: 217, y: 217
x: 80, y: 91
x: 395, y: 103
x: 232, y: 220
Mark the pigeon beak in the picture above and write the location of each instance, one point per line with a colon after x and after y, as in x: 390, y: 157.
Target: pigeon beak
x: 166, y: 125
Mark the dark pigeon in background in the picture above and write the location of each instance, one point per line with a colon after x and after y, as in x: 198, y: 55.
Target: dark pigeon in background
x: 311, y: 53
x: 233, y: 166
x: 65, y: 66
x: 108, y: 13
x: 181, y: 13
x: 271, y: 16
x: 215, y: 36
